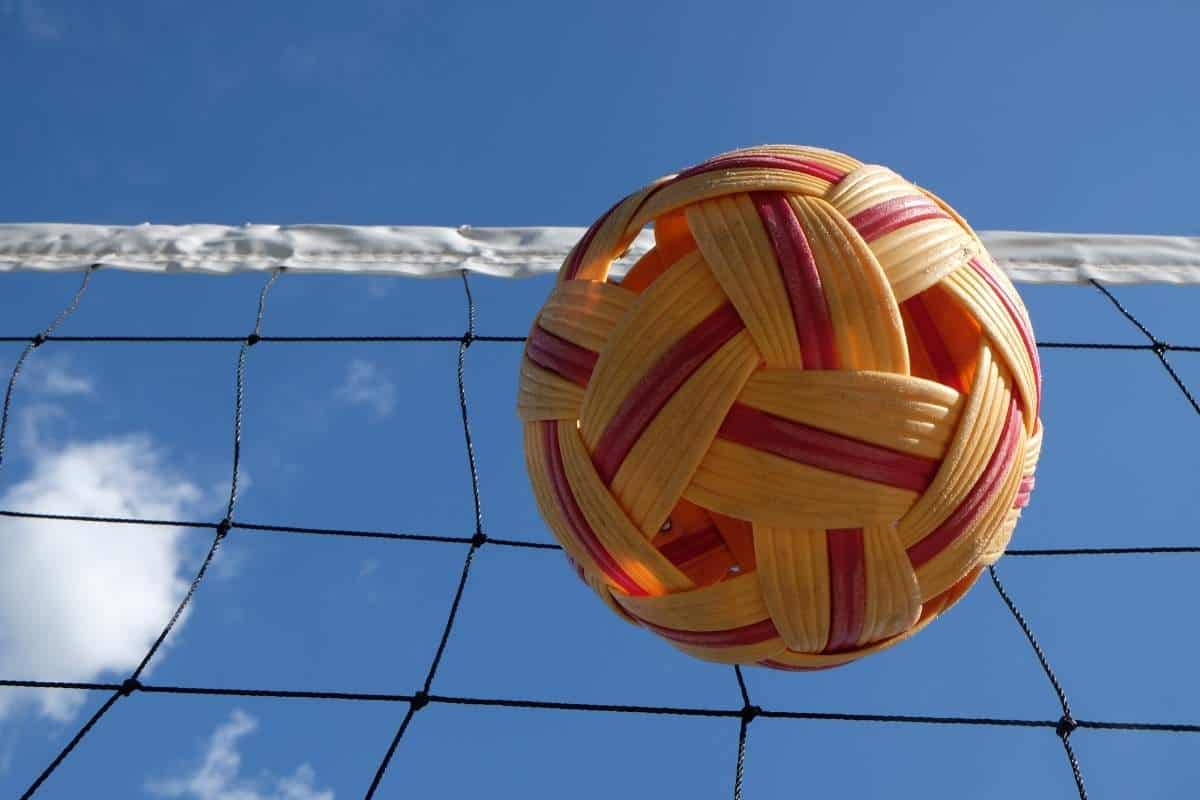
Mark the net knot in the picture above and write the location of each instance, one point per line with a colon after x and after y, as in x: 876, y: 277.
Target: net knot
x: 467, y: 338
x: 1066, y: 726
x: 1160, y: 347
x: 129, y: 686
x: 253, y: 339
x: 749, y: 712
x: 479, y: 539
x: 223, y: 527
x: 38, y: 340
x: 420, y: 700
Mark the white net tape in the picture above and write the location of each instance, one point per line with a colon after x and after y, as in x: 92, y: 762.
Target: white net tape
x: 510, y: 252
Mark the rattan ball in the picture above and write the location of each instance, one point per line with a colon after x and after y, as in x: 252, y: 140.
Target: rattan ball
x: 802, y: 424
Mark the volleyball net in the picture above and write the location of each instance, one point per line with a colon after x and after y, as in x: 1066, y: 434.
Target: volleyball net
x: 1099, y: 263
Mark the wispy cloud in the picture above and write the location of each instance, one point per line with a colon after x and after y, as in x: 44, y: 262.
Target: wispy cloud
x: 82, y: 601
x: 54, y: 376
x: 218, y: 775
x: 365, y: 385
x: 34, y: 19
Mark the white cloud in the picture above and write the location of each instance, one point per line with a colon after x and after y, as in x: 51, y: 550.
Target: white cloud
x: 53, y: 376
x: 218, y: 776
x: 365, y: 385
x: 368, y: 567
x: 84, y: 601
x: 34, y: 18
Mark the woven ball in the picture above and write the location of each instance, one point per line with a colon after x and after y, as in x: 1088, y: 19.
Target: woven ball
x: 801, y: 425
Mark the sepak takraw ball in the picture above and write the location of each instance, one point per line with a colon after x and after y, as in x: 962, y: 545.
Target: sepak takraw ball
x: 801, y: 425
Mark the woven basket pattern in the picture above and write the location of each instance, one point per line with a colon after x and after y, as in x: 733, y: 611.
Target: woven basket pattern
x: 803, y: 423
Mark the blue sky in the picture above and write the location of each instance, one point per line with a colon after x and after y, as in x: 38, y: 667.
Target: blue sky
x: 1075, y: 117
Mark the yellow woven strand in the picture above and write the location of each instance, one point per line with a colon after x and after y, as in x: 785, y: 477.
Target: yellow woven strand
x: 619, y: 536
x: 733, y: 603
x: 978, y: 432
x: 866, y: 319
x: 738, y: 654
x: 738, y: 251
x: 725, y: 182
x: 865, y: 187
x: 662, y: 315
x: 585, y: 312
x: 893, y: 595
x: 920, y: 255
x: 968, y: 549
x: 767, y: 489
x: 999, y: 543
x: 977, y: 297
x: 793, y: 570
x: 912, y: 415
x: 543, y: 493
x: 915, y: 256
x: 985, y: 257
x: 830, y: 158
x: 653, y: 475
x: 543, y: 395
x: 612, y: 238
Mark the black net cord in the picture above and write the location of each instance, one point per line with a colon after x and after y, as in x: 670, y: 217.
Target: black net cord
x: 614, y: 708
x: 1066, y: 724
x: 746, y: 715
x: 34, y: 342
x: 1157, y: 345
x: 421, y: 698
x: 254, y: 527
x: 383, y: 338
x: 132, y: 683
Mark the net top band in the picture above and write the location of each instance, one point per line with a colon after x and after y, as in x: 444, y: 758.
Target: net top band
x: 427, y: 251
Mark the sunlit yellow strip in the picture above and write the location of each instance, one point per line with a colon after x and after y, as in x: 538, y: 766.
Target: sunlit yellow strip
x: 968, y: 549
x: 866, y: 187
x: 543, y: 493
x: 619, y: 536
x: 680, y: 299
x: 585, y: 312
x: 915, y: 256
x: 737, y: 654
x: 970, y: 289
x: 717, y: 183
x: 893, y: 596
x: 543, y: 395
x: 866, y: 319
x: 766, y: 489
x: 611, y: 239
x: 793, y: 569
x: 658, y: 468
x: 733, y: 603
x: 732, y: 239
x: 831, y: 158
x: 919, y: 255
x: 979, y: 429
x: 912, y: 415
x: 1000, y: 275
x: 997, y: 546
